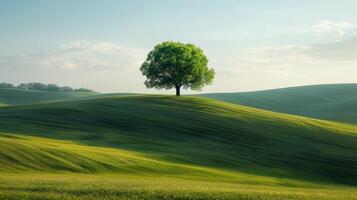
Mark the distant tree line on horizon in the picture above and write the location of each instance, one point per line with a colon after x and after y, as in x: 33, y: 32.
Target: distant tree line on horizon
x: 43, y: 87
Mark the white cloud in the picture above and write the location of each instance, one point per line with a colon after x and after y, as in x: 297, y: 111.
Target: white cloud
x: 328, y: 30
x: 281, y: 56
x: 81, y: 55
x: 102, y: 66
x: 281, y: 64
x: 273, y: 55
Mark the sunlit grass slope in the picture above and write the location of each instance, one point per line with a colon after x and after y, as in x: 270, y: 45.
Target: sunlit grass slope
x: 18, y: 96
x: 32, y: 167
x: 19, y: 153
x: 34, y: 186
x: 337, y: 102
x: 34, y: 154
x: 28, y: 154
x: 200, y: 132
x: 38, y: 168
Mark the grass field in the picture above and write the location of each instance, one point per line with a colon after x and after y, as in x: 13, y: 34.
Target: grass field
x: 336, y: 102
x: 55, y: 169
x: 163, y: 147
x: 104, y: 186
x: 19, y: 96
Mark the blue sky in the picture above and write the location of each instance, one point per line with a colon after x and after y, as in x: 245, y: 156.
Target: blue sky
x: 253, y: 45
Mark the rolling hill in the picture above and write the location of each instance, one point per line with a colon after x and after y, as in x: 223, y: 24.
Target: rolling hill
x: 120, y: 146
x: 24, y: 153
x: 39, y: 168
x: 336, y: 102
x: 19, y: 96
x: 197, y: 131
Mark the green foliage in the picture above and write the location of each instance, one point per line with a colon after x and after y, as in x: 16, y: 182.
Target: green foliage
x: 6, y: 85
x: 176, y: 65
x: 336, y: 102
x: 83, y: 90
x: 42, y: 87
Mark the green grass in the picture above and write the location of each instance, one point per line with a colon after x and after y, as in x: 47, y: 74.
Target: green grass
x: 18, y: 96
x: 163, y: 147
x: 33, y: 186
x: 38, y: 155
x: 38, y: 168
x: 336, y: 102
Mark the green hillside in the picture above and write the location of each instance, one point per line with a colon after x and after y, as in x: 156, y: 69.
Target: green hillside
x: 164, y: 147
x: 198, y: 131
x: 37, y: 168
x: 19, y: 96
x: 336, y: 102
x: 31, y: 154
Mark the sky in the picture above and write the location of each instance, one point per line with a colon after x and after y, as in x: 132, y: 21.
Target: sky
x: 251, y: 44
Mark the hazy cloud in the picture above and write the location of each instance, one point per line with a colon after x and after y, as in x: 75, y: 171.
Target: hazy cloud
x: 272, y: 55
x: 80, y: 55
x: 288, y: 65
x: 344, y: 50
x: 332, y: 31
x: 286, y: 55
x: 101, y: 66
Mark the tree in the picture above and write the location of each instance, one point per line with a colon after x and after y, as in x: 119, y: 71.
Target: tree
x: 83, y: 90
x: 48, y: 87
x: 6, y: 85
x: 66, y: 89
x: 36, y: 86
x: 175, y: 65
x: 51, y: 87
x: 22, y: 86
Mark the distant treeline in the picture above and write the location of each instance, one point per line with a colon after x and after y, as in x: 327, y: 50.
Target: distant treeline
x: 43, y: 87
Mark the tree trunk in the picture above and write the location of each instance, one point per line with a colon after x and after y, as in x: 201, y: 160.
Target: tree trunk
x: 178, y: 90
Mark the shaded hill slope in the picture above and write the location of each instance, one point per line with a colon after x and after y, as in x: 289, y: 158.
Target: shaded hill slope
x: 336, y: 102
x: 200, y: 132
x: 19, y: 96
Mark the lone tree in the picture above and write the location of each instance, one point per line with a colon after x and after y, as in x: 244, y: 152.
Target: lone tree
x: 175, y: 65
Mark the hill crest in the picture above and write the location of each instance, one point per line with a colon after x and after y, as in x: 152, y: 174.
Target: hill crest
x: 335, y: 102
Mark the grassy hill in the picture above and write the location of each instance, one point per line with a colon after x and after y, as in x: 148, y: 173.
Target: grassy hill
x: 197, y: 131
x: 336, y: 102
x: 164, y: 147
x: 18, y: 96
x: 37, y: 168
x: 24, y: 153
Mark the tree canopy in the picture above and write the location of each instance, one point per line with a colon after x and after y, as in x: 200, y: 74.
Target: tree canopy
x: 42, y: 87
x: 6, y: 85
x: 175, y: 65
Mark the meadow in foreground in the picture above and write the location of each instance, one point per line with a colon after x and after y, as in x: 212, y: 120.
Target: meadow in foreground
x: 110, y: 186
